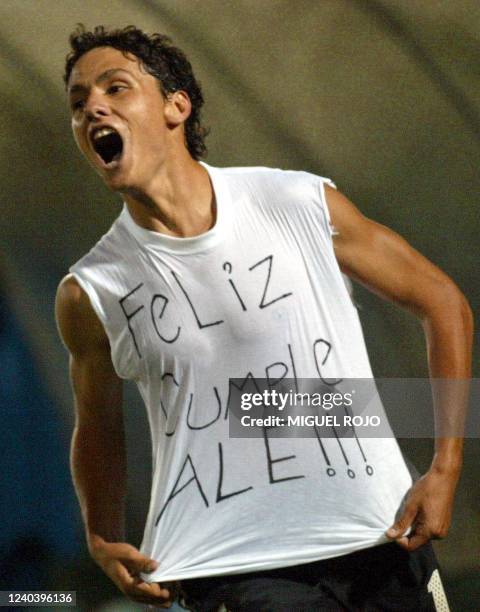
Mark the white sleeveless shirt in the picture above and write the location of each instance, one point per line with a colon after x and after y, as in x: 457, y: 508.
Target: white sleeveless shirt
x: 259, y: 295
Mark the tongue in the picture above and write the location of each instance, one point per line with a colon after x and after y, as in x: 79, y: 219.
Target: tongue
x: 109, y: 147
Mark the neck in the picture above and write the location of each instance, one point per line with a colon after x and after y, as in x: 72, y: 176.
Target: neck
x: 179, y: 201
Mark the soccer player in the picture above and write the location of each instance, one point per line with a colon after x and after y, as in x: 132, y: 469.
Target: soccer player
x: 210, y: 275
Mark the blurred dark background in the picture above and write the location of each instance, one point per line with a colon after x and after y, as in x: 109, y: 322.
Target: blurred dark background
x: 382, y: 96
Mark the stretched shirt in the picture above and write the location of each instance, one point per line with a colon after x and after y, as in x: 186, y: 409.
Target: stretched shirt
x: 258, y: 296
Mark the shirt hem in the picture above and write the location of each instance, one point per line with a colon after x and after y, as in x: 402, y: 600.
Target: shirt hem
x: 262, y: 565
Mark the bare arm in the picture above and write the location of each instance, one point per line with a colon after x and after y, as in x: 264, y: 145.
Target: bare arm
x: 98, y: 459
x: 385, y: 263
x: 98, y: 456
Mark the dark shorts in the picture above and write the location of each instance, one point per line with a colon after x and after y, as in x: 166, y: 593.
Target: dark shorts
x: 381, y: 578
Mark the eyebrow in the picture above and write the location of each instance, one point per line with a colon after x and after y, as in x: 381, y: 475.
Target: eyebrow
x: 102, y: 77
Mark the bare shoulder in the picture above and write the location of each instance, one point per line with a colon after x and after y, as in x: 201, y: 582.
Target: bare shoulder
x: 78, y: 324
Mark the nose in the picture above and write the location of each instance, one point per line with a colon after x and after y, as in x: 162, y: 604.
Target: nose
x: 96, y: 108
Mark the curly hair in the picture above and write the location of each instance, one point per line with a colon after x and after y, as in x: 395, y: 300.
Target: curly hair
x: 160, y: 58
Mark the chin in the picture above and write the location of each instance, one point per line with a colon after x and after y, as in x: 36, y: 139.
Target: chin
x: 116, y: 181
x: 118, y: 186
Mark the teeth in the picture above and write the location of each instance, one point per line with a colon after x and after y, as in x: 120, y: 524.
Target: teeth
x: 102, y: 132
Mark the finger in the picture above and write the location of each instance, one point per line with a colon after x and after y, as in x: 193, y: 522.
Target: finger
x: 403, y: 542
x: 136, y: 562
x: 403, y: 523
x: 139, y: 594
x: 153, y: 589
x: 133, y: 587
x: 153, y: 593
x: 415, y: 541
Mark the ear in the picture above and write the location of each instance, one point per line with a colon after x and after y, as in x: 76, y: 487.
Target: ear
x: 177, y: 108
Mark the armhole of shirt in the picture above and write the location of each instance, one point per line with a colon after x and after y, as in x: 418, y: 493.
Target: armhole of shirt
x: 98, y: 309
x: 323, y: 200
x: 333, y: 232
x: 92, y: 296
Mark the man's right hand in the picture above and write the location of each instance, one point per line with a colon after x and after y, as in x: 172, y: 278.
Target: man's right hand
x: 123, y: 563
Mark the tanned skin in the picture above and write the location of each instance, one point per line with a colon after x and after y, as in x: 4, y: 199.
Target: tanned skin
x: 169, y: 192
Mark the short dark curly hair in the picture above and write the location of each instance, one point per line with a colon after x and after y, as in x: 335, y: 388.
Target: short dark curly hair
x: 160, y: 58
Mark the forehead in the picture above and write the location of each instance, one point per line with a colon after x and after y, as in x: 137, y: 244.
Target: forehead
x: 102, y: 59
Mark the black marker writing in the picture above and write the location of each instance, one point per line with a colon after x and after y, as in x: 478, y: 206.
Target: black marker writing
x: 156, y: 297
x: 227, y: 266
x: 271, y: 462
x: 130, y: 315
x: 174, y: 492
x: 269, y: 261
x: 220, y: 495
x: 199, y: 323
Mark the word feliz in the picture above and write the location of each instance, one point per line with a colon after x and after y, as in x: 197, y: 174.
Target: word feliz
x: 159, y: 302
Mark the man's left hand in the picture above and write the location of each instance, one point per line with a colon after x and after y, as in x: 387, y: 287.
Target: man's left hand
x: 428, y: 510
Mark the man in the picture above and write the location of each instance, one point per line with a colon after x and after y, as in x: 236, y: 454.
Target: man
x: 210, y: 275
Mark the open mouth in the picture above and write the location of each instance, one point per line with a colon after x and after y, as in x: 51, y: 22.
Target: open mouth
x: 108, y: 144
